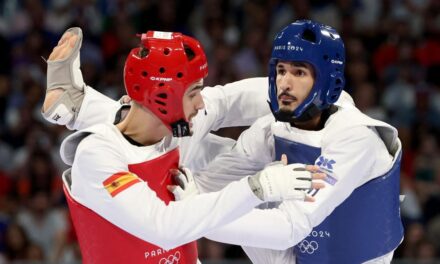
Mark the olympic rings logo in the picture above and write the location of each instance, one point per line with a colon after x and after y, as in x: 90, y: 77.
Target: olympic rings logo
x: 171, y: 259
x: 308, y: 247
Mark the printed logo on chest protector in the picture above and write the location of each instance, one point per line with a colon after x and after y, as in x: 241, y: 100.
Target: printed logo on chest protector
x: 308, y: 246
x: 326, y: 165
x: 311, y: 244
x: 171, y: 259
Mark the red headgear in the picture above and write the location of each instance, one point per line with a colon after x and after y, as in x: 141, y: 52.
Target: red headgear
x: 157, y: 74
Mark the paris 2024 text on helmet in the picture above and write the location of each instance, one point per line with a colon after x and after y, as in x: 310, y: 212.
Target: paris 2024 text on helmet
x: 322, y: 47
x: 157, y: 74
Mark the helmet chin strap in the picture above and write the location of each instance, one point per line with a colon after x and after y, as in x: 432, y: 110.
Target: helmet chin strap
x: 180, y: 128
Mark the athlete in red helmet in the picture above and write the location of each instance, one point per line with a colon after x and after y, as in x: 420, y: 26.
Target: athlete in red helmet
x: 157, y: 76
x: 117, y: 186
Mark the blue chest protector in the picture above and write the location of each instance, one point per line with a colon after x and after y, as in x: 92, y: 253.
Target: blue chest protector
x: 365, y: 226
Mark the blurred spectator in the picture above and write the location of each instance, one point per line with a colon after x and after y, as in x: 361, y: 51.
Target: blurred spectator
x: 399, y: 98
x: 59, y: 16
x: 410, y: 208
x: 414, y: 233
x: 222, y: 70
x: 45, y: 226
x: 433, y: 232
x: 4, y: 91
x: 426, y: 252
x: 365, y: 98
x: 18, y: 246
x: 254, y: 53
x: 426, y: 167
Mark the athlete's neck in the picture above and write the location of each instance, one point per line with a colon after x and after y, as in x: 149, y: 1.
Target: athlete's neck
x: 143, y: 126
x: 312, y: 124
x: 317, y: 122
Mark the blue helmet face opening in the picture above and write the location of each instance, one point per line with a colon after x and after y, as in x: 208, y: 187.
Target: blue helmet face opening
x: 320, y: 46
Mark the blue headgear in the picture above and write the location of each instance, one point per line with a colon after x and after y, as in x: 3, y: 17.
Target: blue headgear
x: 323, y: 48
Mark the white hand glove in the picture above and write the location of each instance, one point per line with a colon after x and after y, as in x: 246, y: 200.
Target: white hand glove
x: 279, y: 182
x: 63, y: 71
x: 186, y: 185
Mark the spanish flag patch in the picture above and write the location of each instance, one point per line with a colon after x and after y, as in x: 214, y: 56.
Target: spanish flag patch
x: 119, y: 182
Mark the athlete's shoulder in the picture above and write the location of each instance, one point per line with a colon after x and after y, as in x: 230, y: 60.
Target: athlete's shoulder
x: 261, y: 128
x: 95, y: 138
x: 258, y: 138
x: 349, y: 116
x: 100, y: 135
x: 265, y: 121
x: 345, y: 119
x: 349, y: 124
x: 345, y: 100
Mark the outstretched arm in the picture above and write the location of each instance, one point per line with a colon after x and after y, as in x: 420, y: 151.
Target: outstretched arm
x: 138, y: 210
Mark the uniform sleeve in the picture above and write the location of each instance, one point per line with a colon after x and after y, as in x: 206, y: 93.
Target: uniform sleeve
x: 96, y: 108
x: 140, y: 212
x: 350, y: 159
x: 235, y: 104
x: 250, y: 154
x: 269, y: 228
x: 267, y: 236
x: 197, y: 155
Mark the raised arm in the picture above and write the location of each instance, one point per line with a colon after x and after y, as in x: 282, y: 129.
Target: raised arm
x: 250, y: 154
x: 69, y: 101
x: 239, y: 103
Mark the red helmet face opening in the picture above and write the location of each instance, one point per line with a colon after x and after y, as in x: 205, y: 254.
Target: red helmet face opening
x: 157, y: 74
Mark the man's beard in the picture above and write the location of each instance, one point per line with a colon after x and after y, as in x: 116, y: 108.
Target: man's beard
x: 284, y: 115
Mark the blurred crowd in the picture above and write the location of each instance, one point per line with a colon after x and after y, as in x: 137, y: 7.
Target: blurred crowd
x: 392, y: 71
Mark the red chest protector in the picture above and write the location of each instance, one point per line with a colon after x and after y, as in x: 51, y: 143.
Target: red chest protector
x: 102, y: 242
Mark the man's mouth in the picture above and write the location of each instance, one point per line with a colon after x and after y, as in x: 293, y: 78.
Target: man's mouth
x: 287, y: 99
x: 190, y: 123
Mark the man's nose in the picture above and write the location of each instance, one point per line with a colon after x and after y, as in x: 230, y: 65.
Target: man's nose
x: 285, y: 84
x: 200, y: 104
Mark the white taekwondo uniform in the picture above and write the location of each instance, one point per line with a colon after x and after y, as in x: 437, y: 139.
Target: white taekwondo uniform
x: 255, y: 148
x: 355, y: 218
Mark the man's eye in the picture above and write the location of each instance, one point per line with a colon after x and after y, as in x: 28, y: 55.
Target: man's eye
x: 281, y: 71
x: 300, y: 73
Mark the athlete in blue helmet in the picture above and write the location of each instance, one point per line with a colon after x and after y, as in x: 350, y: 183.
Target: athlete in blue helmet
x: 355, y: 218
x: 321, y: 49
